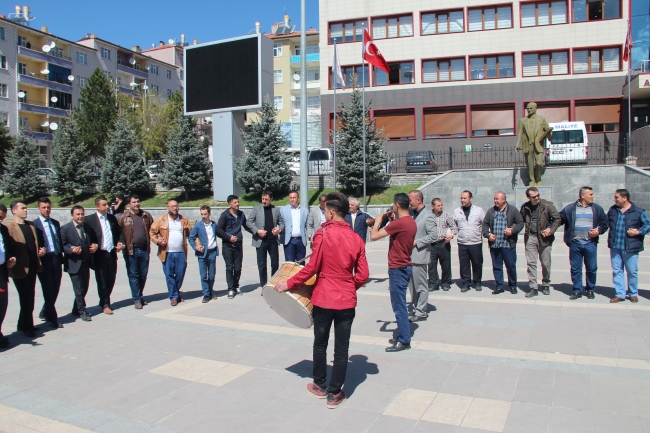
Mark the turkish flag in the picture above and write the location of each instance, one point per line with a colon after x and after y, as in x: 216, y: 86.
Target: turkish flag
x: 372, y: 54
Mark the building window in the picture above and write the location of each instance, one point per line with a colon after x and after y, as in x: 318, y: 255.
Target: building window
x: 4, y: 116
x: 553, y: 112
x: 23, y: 123
x: 105, y: 53
x: 445, y: 122
x: 396, y: 124
x: 313, y: 75
x: 350, y: 73
x: 3, y: 90
x: 492, y: 67
x: 22, y: 41
x: 153, y: 69
x: 443, y: 70
x: 602, y: 116
x: 493, y: 120
x: 443, y: 22
x: 3, y: 62
x: 396, y: 27
x: 313, y: 49
x: 180, y: 73
x: 169, y: 74
x: 154, y: 89
x: 63, y: 100
x: 180, y: 58
x: 2, y: 33
x: 82, y: 58
x: 595, y: 10
x: 277, y: 76
x: 108, y: 75
x: 277, y: 102
x: 543, y: 14
x: 277, y: 50
x: 22, y: 68
x: 596, y: 60
x: 400, y: 73
x: 82, y: 81
x: 556, y: 63
x: 490, y: 18
x: 169, y: 93
x: 343, y: 33
x: 57, y: 52
x: 313, y: 102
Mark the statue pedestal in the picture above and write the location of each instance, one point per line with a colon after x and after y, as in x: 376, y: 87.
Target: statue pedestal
x: 545, y: 192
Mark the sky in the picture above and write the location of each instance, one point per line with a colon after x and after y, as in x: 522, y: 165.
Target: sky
x: 143, y: 22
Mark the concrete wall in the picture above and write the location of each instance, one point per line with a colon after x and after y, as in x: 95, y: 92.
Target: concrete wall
x: 637, y: 181
x: 393, y: 180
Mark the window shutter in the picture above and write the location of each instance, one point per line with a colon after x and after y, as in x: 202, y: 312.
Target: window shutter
x: 443, y: 23
x: 559, y: 12
x: 528, y: 15
x: 458, y: 70
x: 493, y: 118
x: 475, y: 20
x: 530, y: 65
x: 429, y: 24
x: 560, y: 62
x: 543, y: 11
x: 611, y: 60
x: 405, y: 26
x: 456, y: 22
x: 580, y: 62
x: 544, y: 64
x: 379, y: 29
x: 489, y: 16
x: 336, y: 31
x: 595, y: 60
x: 505, y: 17
x: 392, y: 27
x: 444, y: 122
x: 430, y: 71
x: 396, y: 124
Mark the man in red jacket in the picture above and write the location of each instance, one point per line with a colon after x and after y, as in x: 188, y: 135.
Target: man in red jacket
x: 339, y: 260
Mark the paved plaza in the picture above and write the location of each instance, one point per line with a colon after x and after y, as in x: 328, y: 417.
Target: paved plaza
x: 480, y: 363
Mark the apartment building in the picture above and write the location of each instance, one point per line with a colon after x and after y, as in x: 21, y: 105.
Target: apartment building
x: 462, y: 71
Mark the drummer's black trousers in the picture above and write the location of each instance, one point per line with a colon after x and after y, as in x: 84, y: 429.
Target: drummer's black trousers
x: 323, y: 318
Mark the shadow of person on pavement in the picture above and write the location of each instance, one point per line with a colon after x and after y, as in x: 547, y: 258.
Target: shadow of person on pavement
x: 385, y: 323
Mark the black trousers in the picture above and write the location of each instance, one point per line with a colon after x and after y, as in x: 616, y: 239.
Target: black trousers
x: 323, y: 318
x: 50, y: 280
x: 26, y: 288
x: 105, y: 272
x: 80, y: 282
x: 471, y: 255
x: 440, y: 252
x: 270, y: 247
x: 4, y: 299
x: 233, y: 254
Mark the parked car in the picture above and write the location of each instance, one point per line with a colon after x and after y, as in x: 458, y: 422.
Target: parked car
x: 419, y: 161
x: 294, y: 160
x: 321, y: 161
x: 45, y: 173
x: 152, y: 175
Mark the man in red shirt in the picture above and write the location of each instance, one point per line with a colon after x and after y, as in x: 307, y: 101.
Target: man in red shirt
x: 339, y: 260
x: 402, y: 232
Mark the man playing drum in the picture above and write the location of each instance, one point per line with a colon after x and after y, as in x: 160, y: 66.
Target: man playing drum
x: 339, y: 260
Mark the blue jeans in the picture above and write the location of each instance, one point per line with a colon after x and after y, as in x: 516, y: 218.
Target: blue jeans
x: 587, y: 253
x: 294, y: 250
x: 137, y: 268
x: 630, y: 262
x: 206, y: 270
x: 174, y: 269
x: 398, y: 281
x: 509, y: 257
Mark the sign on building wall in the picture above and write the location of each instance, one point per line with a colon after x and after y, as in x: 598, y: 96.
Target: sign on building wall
x: 285, y: 129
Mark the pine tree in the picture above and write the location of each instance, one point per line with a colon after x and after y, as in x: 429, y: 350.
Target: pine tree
x: 5, y: 143
x: 264, y: 166
x: 122, y: 169
x: 186, y: 164
x: 98, y: 112
x: 349, y: 145
x: 70, y: 156
x: 21, y: 170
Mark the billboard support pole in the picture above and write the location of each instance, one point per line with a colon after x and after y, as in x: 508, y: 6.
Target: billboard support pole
x: 304, y: 168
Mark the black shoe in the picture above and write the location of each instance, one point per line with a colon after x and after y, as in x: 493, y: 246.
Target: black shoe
x: 213, y: 296
x: 30, y: 334
x: 434, y: 288
x: 478, y: 287
x: 546, y: 290
x: 42, y: 316
x: 55, y: 325
x: 464, y: 289
x: 531, y: 293
x: 231, y: 294
x: 497, y: 291
x: 575, y: 296
x: 445, y: 288
x: 85, y: 316
x: 76, y: 313
x: 398, y: 347
x: 392, y: 341
x: 414, y: 319
x: 590, y: 294
x: 4, y: 343
x: 513, y: 291
x: 206, y: 299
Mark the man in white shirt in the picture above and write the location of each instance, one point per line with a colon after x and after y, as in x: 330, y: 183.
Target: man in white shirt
x: 205, y: 250
x: 294, y: 235
x: 469, y: 221
x: 316, y: 217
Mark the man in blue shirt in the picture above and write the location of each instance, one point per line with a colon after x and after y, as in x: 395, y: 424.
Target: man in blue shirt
x: 628, y: 225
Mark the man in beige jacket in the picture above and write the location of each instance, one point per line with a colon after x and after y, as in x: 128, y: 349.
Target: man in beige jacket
x: 170, y: 232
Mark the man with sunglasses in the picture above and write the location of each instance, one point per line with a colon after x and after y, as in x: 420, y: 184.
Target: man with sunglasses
x: 541, y: 220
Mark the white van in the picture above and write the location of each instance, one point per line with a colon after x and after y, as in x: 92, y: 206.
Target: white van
x: 321, y: 161
x: 569, y: 144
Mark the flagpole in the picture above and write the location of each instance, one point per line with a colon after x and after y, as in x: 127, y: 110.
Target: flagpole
x: 363, y: 111
x: 334, y: 80
x: 629, y: 85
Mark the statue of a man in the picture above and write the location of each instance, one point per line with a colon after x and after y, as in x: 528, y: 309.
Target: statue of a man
x: 533, y: 130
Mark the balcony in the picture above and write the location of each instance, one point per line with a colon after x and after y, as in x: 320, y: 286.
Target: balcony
x: 34, y: 80
x: 36, y: 135
x: 310, y: 58
x: 310, y: 85
x: 41, y: 108
x: 130, y: 70
x: 64, y: 61
x: 126, y: 90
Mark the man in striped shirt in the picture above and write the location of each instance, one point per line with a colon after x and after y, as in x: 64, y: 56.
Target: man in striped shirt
x: 584, y: 221
x: 441, y: 248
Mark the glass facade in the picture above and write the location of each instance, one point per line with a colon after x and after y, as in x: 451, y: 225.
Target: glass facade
x: 640, y: 31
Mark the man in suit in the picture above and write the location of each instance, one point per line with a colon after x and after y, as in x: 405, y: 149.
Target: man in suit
x: 79, y: 244
x: 229, y: 226
x: 358, y: 219
x: 7, y: 261
x: 107, y: 232
x: 316, y: 217
x: 49, y: 230
x: 265, y: 221
x: 427, y: 233
x: 28, y: 251
x: 206, y: 250
x: 294, y: 234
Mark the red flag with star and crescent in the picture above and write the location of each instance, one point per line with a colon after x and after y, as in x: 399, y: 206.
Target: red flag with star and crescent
x: 372, y: 54
x: 628, y: 43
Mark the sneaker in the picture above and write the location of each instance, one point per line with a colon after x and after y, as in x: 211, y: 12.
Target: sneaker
x: 238, y: 291
x: 318, y: 391
x: 231, y: 294
x: 546, y: 290
x: 206, y: 299
x: 531, y: 293
x: 333, y: 400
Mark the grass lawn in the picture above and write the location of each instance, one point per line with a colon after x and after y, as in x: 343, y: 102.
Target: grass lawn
x: 159, y: 199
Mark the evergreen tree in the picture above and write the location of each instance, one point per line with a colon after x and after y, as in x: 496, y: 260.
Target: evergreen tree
x: 186, y: 164
x: 5, y: 143
x: 21, y: 170
x: 349, y: 145
x: 98, y: 112
x: 122, y: 169
x: 70, y: 156
x: 264, y: 166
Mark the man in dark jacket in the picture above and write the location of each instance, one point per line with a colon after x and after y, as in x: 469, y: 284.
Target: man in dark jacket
x: 7, y: 261
x: 358, y: 219
x: 501, y: 226
x: 628, y: 224
x: 229, y: 228
x: 541, y: 220
x: 583, y: 222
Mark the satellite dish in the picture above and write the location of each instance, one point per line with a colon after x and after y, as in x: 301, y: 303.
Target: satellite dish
x: 296, y: 77
x: 54, y: 99
x: 52, y: 44
x: 293, y: 98
x: 45, y: 71
x: 21, y: 94
x: 132, y: 61
x: 133, y: 84
x: 46, y: 48
x: 201, y: 138
x: 45, y: 124
x: 148, y: 67
x: 171, y: 42
x: 70, y: 77
x: 54, y: 126
x: 146, y: 87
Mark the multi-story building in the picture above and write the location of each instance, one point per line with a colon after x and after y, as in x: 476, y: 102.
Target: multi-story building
x: 41, y: 76
x: 462, y: 71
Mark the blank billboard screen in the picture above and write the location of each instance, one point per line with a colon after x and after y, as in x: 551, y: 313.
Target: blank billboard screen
x: 223, y: 75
